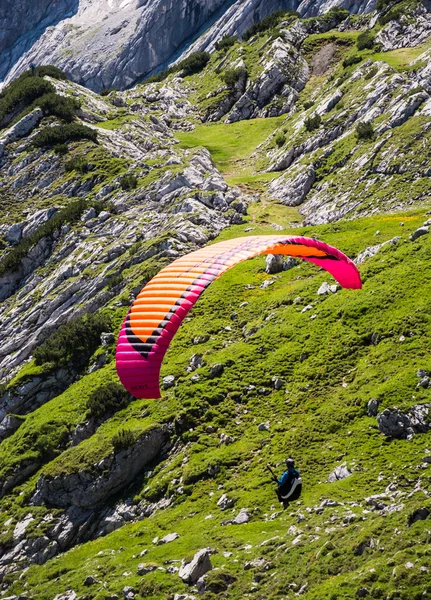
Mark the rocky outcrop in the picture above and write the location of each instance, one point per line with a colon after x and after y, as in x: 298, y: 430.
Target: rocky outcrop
x: 191, y: 571
x: 396, y: 424
x: 292, y: 191
x: 285, y: 73
x: 90, y: 488
x: 406, y: 31
x: 29, y: 395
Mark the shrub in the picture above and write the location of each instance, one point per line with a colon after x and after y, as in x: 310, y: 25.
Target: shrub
x: 269, y: 22
x: 194, y: 63
x: 226, y: 42
x: 61, y: 134
x: 190, y: 65
x: 74, y: 342
x: 308, y: 104
x: 63, y: 107
x: 231, y: 76
x: 20, y: 94
x: 364, y: 131
x: 77, y: 163
x: 107, y: 399
x: 123, y: 439
x: 313, y: 122
x: 49, y: 70
x: 351, y: 60
x: 114, y: 281
x: 280, y: 139
x: 129, y: 182
x: 371, y: 73
x: 61, y: 149
x: 366, y: 40
x: 108, y: 91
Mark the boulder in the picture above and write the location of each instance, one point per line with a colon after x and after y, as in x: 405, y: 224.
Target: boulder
x: 340, y: 472
x: 216, y: 370
x: 242, y: 517
x: 168, y: 382
x: 225, y: 502
x: 396, y: 424
x: 373, y: 407
x: 424, y: 230
x: 274, y: 264
x: 191, y: 571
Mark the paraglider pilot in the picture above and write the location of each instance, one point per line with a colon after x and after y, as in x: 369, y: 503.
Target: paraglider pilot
x: 289, y: 486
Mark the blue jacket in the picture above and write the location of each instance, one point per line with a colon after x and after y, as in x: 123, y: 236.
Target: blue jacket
x: 288, y: 476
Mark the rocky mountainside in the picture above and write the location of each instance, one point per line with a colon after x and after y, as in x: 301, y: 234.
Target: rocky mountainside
x: 106, y: 44
x: 319, y: 126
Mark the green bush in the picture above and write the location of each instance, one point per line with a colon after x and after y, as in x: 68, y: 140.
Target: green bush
x: 269, y: 22
x: 77, y: 163
x: 371, y: 73
x: 366, y: 40
x: 226, y: 42
x: 308, y: 104
x: 51, y: 136
x: 313, y: 122
x: 43, y: 70
x: 364, y: 131
x: 190, y: 65
x: 73, y: 343
x: 351, y: 60
x: 69, y: 214
x: 20, y: 94
x: 231, y: 76
x: 63, y: 107
x: 280, y: 139
x: 107, y: 399
x: 122, y: 440
x: 129, y: 182
x: 108, y: 91
x: 114, y: 281
x: 61, y: 149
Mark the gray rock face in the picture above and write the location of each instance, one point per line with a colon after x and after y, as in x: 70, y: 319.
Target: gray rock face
x: 197, y: 567
x: 403, y: 33
x: 393, y: 423
x: 87, y: 489
x: 99, y: 43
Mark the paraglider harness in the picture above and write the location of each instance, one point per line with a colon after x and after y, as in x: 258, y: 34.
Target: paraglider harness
x: 290, y: 490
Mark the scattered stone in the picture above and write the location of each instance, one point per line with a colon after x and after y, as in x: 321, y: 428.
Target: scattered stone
x: 143, y: 569
x: 289, y: 263
x: 419, y: 514
x: 168, y: 382
x: 196, y: 362
x: 170, y: 537
x: 224, y: 502
x: 307, y: 308
x: 264, y: 426
x: 267, y: 283
x: 373, y: 408
x: 216, y: 370
x: 200, y: 564
x: 129, y: 593
x: 242, y: 517
x: 363, y: 592
x: 409, y: 565
x: 277, y: 383
x: 226, y: 439
x: 195, y: 378
x: 69, y: 595
x: 325, y: 288
x: 90, y: 580
x: 424, y: 230
x: 338, y: 473
x: 424, y: 383
x: 200, y: 339
x: 257, y: 563
x: 274, y: 264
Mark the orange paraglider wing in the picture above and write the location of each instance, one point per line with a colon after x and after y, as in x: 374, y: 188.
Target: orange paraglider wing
x: 163, y: 303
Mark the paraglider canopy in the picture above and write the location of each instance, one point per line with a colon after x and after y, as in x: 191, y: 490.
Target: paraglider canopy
x: 163, y: 303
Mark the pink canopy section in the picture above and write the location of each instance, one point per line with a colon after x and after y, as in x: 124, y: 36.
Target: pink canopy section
x: 161, y: 306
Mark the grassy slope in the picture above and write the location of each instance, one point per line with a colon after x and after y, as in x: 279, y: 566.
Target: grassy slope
x: 319, y: 416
